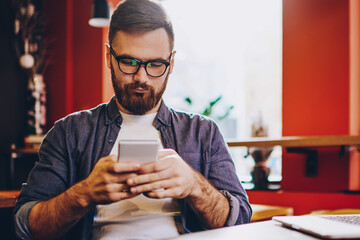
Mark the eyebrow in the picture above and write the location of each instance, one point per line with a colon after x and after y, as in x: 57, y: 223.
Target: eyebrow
x: 145, y: 60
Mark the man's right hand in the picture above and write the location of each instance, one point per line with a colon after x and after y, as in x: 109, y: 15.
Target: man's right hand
x: 107, y: 181
x: 105, y: 184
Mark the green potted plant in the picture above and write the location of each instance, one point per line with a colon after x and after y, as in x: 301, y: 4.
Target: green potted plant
x: 226, y: 124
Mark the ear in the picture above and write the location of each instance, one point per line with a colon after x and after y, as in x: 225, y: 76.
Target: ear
x: 107, y: 55
x: 172, y: 62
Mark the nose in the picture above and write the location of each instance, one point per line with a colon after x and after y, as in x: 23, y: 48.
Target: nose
x: 141, y: 76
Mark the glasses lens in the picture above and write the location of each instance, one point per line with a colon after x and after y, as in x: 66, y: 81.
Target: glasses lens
x: 128, y: 65
x: 155, y: 68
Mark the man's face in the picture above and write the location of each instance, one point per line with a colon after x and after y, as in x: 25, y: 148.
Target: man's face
x: 139, y: 93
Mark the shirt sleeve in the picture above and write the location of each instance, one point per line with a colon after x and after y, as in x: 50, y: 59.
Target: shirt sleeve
x: 21, y: 221
x: 223, y: 175
x: 234, y: 209
x: 48, y: 178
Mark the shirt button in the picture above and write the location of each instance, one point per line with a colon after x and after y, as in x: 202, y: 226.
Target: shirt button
x: 111, y: 142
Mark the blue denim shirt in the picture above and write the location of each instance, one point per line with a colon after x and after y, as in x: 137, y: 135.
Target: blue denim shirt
x: 75, y: 143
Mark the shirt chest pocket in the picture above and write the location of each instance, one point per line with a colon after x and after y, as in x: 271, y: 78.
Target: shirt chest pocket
x: 199, y: 161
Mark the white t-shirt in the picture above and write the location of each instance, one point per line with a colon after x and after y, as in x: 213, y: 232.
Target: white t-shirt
x: 139, y: 217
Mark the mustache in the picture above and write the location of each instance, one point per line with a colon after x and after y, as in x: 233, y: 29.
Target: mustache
x: 136, y: 85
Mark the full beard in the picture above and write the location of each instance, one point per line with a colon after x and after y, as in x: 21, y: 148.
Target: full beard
x: 137, y: 103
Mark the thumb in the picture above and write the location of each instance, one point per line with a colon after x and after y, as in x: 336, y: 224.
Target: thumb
x: 165, y: 152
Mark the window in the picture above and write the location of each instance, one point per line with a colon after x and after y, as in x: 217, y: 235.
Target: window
x: 230, y: 49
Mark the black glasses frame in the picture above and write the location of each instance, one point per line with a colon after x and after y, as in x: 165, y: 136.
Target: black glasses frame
x: 145, y: 63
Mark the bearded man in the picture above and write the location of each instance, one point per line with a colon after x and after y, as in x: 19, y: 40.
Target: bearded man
x: 78, y: 189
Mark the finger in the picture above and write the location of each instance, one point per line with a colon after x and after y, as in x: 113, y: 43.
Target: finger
x: 167, y: 193
x: 113, y: 193
x: 106, y: 163
x: 122, y: 178
x: 124, y: 167
x: 147, y: 178
x: 156, y: 166
x: 110, y: 158
x: 152, y: 186
x: 111, y: 165
x: 117, y: 187
x: 118, y: 178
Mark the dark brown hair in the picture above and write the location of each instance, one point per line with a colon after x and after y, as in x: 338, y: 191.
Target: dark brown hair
x: 140, y: 16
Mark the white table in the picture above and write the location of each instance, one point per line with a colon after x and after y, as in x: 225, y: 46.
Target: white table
x: 252, y: 231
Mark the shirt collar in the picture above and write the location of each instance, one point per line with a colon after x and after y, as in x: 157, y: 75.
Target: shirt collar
x: 112, y: 112
x: 163, y: 116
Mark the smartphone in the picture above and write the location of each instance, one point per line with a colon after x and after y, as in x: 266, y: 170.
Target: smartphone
x: 142, y: 151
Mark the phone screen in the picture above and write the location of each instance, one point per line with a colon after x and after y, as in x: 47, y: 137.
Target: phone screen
x: 142, y: 151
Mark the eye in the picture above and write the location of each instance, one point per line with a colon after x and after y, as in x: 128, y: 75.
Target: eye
x: 155, y: 64
x: 128, y: 61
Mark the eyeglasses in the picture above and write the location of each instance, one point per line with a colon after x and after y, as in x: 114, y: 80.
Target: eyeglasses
x: 129, y: 65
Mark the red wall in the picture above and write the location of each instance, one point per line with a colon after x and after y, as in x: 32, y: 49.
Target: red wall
x: 354, y: 173
x: 55, y: 71
x: 315, y: 67
x: 315, y: 88
x: 306, y: 202
x: 74, y: 75
x: 88, y: 58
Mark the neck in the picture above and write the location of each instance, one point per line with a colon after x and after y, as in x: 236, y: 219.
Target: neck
x: 122, y: 109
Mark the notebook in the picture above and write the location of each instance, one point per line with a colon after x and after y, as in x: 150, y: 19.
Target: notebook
x: 325, y: 226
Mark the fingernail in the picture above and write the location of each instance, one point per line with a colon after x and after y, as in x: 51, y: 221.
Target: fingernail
x: 133, y: 190
x: 130, y: 181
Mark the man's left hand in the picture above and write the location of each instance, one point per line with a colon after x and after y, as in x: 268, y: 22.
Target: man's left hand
x: 169, y: 176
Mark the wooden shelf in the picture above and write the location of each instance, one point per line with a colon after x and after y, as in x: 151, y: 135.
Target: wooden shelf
x: 26, y: 150
x: 301, y: 145
x: 263, y: 212
x: 8, y: 198
x: 319, y: 141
